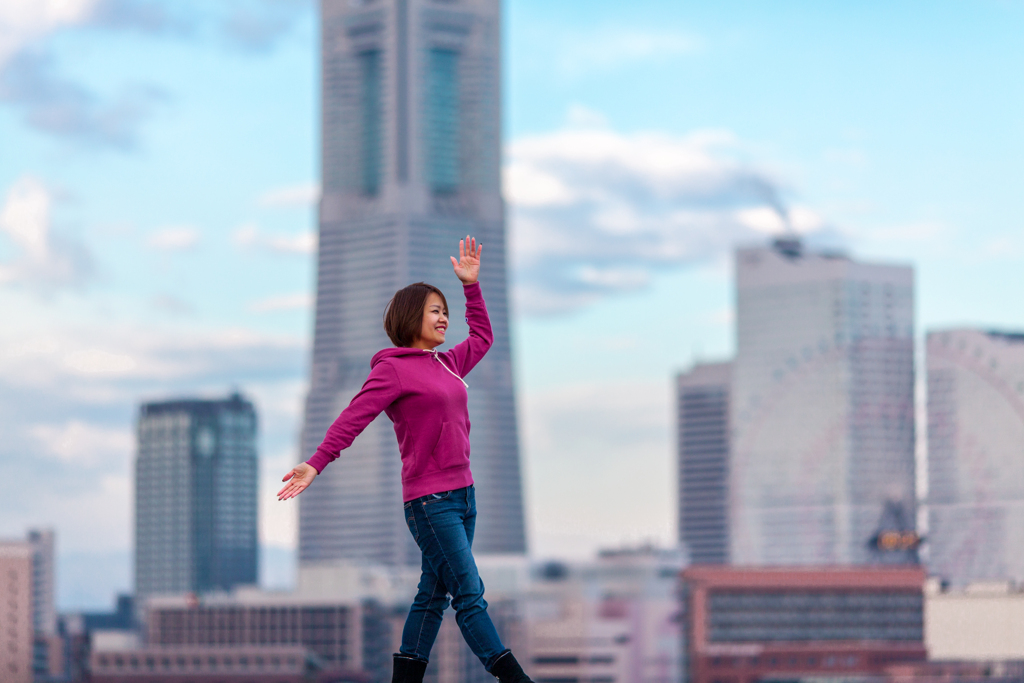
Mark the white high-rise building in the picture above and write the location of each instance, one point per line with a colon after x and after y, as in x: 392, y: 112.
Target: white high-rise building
x: 822, y: 452
x: 976, y: 455
x: 411, y: 163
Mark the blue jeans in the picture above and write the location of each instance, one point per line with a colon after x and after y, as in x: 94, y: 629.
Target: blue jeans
x: 443, y: 525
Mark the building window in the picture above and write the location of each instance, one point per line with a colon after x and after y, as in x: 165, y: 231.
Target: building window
x: 370, y: 153
x: 443, y: 120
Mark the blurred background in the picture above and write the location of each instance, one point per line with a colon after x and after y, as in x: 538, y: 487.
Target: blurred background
x: 755, y: 410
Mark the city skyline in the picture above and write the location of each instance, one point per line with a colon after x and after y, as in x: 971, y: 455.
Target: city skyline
x: 167, y: 168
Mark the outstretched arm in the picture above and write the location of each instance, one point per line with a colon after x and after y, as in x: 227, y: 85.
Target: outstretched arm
x: 465, y: 355
x: 379, y: 391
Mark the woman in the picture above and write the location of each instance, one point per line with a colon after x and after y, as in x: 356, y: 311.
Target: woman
x: 424, y: 394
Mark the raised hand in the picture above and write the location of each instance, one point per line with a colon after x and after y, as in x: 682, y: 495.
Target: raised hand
x: 301, y: 476
x: 467, y: 268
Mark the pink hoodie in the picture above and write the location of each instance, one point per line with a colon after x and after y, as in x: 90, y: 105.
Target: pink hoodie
x: 425, y: 396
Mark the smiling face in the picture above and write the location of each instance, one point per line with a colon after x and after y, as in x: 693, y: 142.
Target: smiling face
x: 435, y: 323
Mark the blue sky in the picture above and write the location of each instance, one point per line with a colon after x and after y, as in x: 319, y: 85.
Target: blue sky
x: 159, y: 162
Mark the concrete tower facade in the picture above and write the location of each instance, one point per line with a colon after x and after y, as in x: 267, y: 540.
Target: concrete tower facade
x: 823, y: 408
x: 411, y: 162
x: 195, y: 496
x: 16, y: 568
x: 975, y: 463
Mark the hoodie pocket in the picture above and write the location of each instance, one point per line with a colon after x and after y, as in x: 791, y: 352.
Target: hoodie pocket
x: 451, y: 449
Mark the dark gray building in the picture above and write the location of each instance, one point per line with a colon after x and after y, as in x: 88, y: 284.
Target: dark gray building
x: 195, y: 496
x: 702, y: 421
x: 411, y: 163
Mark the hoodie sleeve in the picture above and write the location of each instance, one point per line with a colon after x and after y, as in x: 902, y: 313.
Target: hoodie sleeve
x: 465, y: 355
x: 381, y: 388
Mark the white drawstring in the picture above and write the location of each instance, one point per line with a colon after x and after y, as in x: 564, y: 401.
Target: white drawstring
x: 434, y: 351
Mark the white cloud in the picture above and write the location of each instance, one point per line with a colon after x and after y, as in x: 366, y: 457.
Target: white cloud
x: 82, y: 443
x: 69, y: 398
x: 614, y: 277
x: 120, y: 362
x: 285, y: 302
x: 45, y: 261
x: 250, y: 236
x: 175, y: 238
x: 804, y: 220
x: 95, y: 517
x: 762, y: 219
x: 527, y: 185
x: 595, y: 211
x: 24, y: 21
x: 303, y: 195
x: 99, y: 362
x: 26, y: 218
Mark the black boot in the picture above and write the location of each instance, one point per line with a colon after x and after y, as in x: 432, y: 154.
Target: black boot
x: 408, y: 669
x: 507, y: 670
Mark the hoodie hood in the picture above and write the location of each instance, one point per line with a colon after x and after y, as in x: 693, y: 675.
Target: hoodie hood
x: 395, y: 352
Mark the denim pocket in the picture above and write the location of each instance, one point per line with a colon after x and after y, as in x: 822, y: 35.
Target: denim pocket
x: 434, y: 497
x: 410, y: 520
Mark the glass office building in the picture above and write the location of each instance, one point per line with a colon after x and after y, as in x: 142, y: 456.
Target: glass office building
x: 975, y: 455
x: 702, y: 423
x: 411, y: 163
x: 195, y: 496
x: 822, y: 454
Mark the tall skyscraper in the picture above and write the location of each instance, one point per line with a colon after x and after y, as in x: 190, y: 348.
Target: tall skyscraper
x: 411, y: 163
x: 702, y: 422
x: 976, y: 455
x: 823, y: 407
x: 195, y: 496
x: 44, y: 584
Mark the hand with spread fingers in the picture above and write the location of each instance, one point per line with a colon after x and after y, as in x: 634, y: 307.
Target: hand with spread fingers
x: 467, y: 268
x: 300, y: 477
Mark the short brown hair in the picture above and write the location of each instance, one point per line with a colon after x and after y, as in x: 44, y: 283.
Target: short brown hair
x: 403, y: 318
